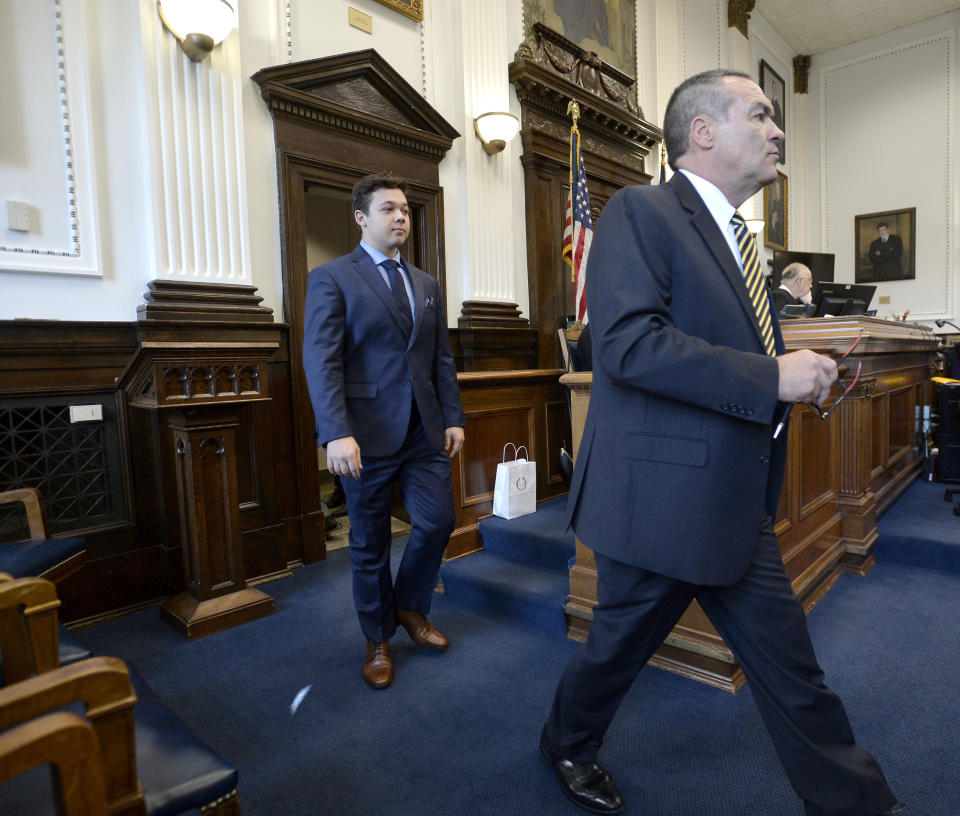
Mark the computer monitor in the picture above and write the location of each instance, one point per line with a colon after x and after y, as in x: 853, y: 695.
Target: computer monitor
x: 820, y: 264
x: 839, y: 299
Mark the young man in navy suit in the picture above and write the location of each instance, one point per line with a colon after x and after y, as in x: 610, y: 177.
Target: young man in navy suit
x: 680, y: 466
x: 385, y: 398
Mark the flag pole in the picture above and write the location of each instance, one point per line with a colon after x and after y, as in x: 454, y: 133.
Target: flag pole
x: 573, y: 111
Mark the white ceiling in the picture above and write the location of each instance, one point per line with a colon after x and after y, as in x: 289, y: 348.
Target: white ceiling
x: 812, y: 26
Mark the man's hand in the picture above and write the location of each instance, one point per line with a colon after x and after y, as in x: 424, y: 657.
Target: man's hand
x: 343, y: 457
x: 806, y: 376
x: 453, y: 440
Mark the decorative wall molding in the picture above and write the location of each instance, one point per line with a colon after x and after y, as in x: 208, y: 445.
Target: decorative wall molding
x: 288, y: 28
x: 738, y: 15
x: 80, y: 254
x: 697, y: 13
x: 939, y: 118
x: 801, y: 73
x: 330, y: 92
x: 548, y: 75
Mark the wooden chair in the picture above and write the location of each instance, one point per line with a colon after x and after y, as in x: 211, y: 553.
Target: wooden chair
x: 29, y: 635
x: 41, y: 555
x: 574, y: 358
x: 150, y: 761
x: 68, y: 744
x: 31, y: 641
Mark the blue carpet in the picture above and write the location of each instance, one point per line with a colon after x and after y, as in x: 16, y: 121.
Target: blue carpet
x: 921, y: 530
x: 522, y: 574
x: 456, y: 735
x: 538, y: 538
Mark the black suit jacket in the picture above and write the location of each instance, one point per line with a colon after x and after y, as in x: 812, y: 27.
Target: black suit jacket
x: 781, y: 297
x: 677, y: 464
x: 886, y: 257
x: 362, y: 371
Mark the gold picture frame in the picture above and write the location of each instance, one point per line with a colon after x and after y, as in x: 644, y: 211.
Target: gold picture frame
x: 409, y: 8
x: 893, y: 259
x: 775, y: 213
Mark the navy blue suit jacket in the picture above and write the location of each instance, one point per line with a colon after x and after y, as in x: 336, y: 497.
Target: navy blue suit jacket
x: 677, y: 464
x: 362, y: 372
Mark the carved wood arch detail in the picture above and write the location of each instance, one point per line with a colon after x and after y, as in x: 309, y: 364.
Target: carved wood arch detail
x: 615, y: 139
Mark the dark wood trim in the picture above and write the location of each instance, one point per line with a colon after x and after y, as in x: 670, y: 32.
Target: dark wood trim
x: 199, y: 300
x: 335, y: 120
x: 137, y: 558
x: 504, y: 406
x: 490, y: 314
x: 547, y: 74
x: 483, y: 349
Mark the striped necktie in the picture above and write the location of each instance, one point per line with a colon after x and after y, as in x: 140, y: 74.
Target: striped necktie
x: 399, y: 290
x: 753, y: 278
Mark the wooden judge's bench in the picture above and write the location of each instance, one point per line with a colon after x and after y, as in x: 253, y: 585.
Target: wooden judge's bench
x: 842, y: 474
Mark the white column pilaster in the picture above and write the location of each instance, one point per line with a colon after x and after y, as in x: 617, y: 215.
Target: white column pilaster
x: 194, y: 127
x: 487, y: 50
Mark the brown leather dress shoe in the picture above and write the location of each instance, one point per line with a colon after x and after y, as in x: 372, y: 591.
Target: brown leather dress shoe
x: 421, y: 630
x: 377, y: 665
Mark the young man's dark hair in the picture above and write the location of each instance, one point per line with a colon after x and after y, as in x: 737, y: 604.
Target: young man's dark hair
x: 368, y: 185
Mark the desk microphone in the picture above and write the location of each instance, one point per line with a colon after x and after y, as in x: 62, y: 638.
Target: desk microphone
x: 940, y: 321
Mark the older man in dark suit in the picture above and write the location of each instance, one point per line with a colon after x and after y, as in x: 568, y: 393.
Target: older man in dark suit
x: 680, y: 468
x: 385, y: 398
x: 886, y: 253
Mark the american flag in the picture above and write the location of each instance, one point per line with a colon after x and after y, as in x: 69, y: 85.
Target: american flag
x: 577, y: 227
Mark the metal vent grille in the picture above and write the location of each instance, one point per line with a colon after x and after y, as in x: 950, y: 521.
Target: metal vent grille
x: 74, y: 465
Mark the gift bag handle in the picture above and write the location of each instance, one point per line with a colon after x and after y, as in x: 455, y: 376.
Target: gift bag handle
x: 516, y: 452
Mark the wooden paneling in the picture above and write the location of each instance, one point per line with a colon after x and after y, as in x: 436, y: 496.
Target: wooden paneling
x: 138, y: 559
x: 487, y: 435
x: 523, y: 407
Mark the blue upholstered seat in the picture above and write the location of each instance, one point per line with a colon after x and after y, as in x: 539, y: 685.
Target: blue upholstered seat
x: 40, y: 557
x: 178, y: 772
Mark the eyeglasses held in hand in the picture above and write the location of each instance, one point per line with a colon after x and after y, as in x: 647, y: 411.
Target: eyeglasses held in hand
x: 856, y: 378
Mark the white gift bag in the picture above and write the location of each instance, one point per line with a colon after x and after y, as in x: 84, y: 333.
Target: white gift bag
x: 515, y: 492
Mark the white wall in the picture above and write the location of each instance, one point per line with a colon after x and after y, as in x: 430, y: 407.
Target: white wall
x: 105, y: 279
x: 457, y: 58
x: 884, y: 132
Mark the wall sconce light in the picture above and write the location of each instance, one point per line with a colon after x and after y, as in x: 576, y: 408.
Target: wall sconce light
x: 755, y: 225
x: 495, y: 130
x: 200, y: 25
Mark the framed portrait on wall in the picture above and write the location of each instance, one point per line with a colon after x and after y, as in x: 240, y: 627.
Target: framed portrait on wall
x: 411, y: 8
x: 607, y: 27
x: 886, y: 245
x: 775, y: 213
x: 775, y: 89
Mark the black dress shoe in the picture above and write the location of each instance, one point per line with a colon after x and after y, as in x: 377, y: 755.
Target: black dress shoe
x: 585, y: 784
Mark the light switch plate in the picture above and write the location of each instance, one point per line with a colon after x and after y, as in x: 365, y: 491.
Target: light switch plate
x: 86, y: 413
x: 18, y: 216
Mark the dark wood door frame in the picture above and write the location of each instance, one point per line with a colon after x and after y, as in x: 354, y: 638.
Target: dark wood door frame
x: 337, y: 119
